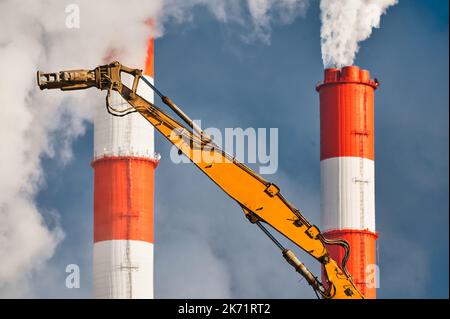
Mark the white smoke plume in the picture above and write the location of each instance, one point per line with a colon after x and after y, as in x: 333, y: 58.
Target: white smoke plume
x: 264, y: 12
x: 345, y: 23
x: 35, y: 124
x: 257, y: 16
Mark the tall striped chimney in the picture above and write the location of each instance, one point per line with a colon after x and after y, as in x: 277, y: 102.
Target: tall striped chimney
x: 124, y: 164
x: 347, y: 177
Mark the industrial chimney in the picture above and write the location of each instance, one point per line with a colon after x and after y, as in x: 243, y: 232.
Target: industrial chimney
x: 347, y: 177
x: 124, y: 164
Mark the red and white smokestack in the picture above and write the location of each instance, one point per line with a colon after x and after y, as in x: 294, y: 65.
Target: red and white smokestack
x: 124, y: 164
x: 347, y: 170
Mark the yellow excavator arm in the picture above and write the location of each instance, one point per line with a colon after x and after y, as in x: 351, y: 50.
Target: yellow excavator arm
x: 261, y: 201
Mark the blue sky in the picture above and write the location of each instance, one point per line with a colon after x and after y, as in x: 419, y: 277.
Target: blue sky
x: 207, y: 68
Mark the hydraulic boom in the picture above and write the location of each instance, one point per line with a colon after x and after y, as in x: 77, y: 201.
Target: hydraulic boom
x: 260, y: 200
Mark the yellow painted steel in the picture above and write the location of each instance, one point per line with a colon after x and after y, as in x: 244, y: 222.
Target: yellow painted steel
x: 261, y: 200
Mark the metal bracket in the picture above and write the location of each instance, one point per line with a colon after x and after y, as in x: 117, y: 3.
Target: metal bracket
x: 312, y: 232
x: 272, y: 190
x: 252, y: 217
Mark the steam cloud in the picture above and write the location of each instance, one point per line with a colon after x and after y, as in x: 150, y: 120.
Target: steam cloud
x: 35, y: 125
x: 256, y: 16
x: 345, y: 23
